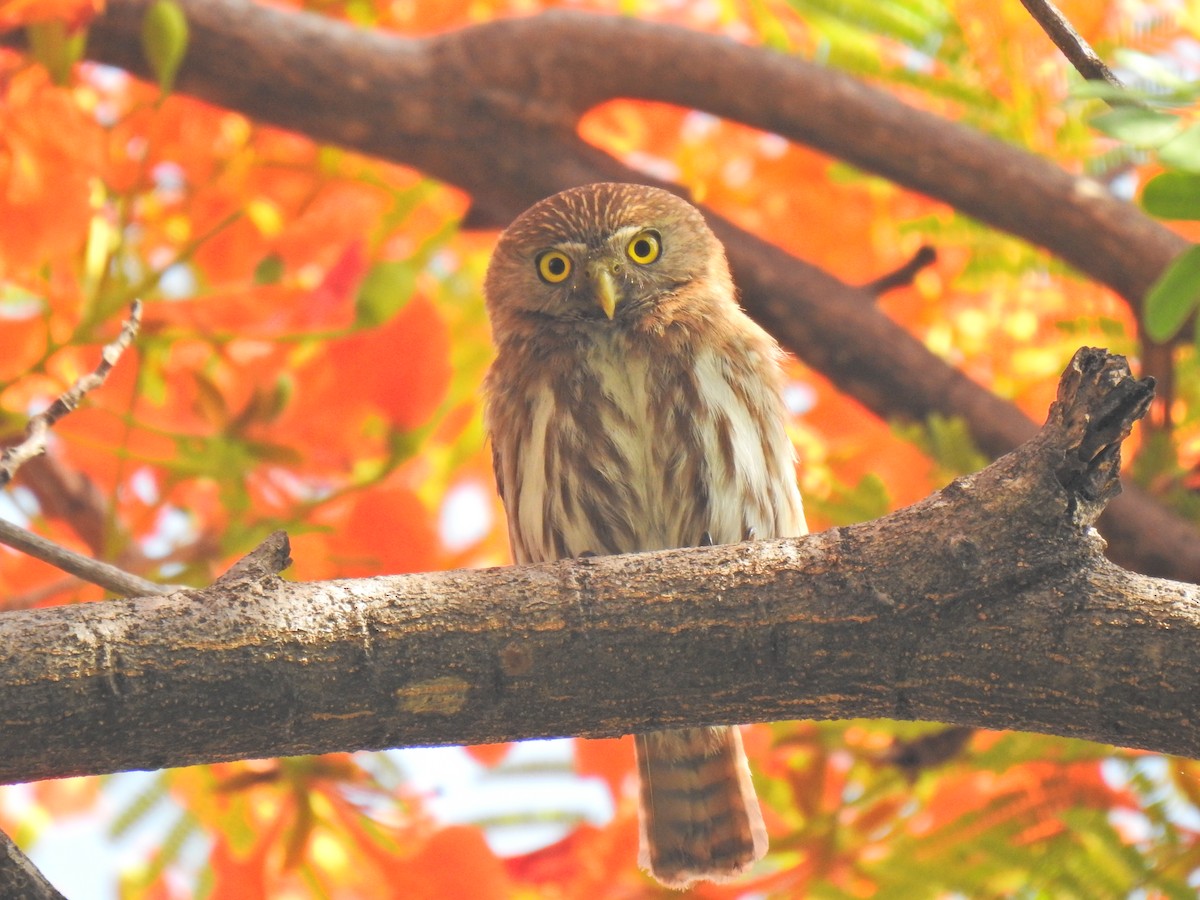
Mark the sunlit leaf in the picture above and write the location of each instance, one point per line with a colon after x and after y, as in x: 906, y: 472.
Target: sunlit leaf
x: 1174, y: 296
x: 1173, y: 195
x: 165, y: 40
x: 384, y: 292
x: 57, y: 46
x: 1139, y: 127
x: 269, y: 270
x: 1183, y: 151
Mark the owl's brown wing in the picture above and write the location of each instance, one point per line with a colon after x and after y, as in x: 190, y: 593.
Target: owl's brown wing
x: 498, y: 473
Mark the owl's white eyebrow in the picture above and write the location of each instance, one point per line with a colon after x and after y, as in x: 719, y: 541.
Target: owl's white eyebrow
x: 628, y: 231
x: 573, y: 249
x: 579, y: 247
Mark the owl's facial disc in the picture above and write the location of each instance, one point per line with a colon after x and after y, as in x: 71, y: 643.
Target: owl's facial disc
x: 601, y: 273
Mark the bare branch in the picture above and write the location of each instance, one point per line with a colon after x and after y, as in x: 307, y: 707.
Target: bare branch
x: 38, y: 429
x: 1072, y: 45
x: 927, y: 751
x: 988, y: 604
x: 93, y: 571
x: 19, y: 877
x: 269, y: 558
x: 70, y: 496
x: 107, y: 576
x: 903, y: 276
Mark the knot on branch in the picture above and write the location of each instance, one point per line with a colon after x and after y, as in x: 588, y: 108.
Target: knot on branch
x: 1098, y: 402
x: 269, y: 558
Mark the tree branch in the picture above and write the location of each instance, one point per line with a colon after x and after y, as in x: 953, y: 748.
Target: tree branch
x: 1069, y: 42
x: 38, y: 430
x: 468, y: 106
x: 19, y: 877
x: 988, y: 604
x: 93, y: 571
x: 493, y: 109
x: 903, y: 276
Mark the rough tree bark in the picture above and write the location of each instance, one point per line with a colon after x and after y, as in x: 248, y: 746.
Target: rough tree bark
x: 987, y: 604
x: 19, y: 877
x: 493, y: 109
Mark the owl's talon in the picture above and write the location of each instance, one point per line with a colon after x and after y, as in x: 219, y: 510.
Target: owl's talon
x: 751, y: 534
x: 587, y: 554
x: 706, y: 540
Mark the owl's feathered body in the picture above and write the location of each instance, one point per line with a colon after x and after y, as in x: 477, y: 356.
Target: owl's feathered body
x: 634, y: 406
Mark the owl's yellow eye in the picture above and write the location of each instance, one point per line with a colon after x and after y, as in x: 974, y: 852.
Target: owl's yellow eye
x: 553, y: 266
x: 645, y: 247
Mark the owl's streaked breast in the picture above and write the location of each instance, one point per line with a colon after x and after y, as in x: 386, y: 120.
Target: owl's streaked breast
x: 634, y: 448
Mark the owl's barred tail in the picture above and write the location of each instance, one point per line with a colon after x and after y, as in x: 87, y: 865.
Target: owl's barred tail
x: 699, y: 817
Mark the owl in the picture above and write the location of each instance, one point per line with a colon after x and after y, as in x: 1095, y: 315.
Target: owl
x: 633, y: 405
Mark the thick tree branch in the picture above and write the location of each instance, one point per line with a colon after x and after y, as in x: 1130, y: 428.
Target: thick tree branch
x: 467, y: 107
x: 988, y: 604
x: 493, y: 109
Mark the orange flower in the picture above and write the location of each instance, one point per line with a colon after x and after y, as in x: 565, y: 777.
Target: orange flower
x: 76, y: 13
x: 49, y: 152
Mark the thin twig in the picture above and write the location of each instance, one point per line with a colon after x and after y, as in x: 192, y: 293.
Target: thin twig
x: 39, y: 426
x: 904, y: 275
x: 93, y: 571
x: 1077, y: 51
x: 107, y: 576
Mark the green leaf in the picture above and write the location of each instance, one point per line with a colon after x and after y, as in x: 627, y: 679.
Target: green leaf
x: 56, y: 47
x: 165, y: 41
x: 1174, y: 296
x: 1101, y: 90
x: 1154, y: 70
x: 140, y: 807
x: 1137, y: 126
x: 269, y: 269
x: 952, y: 446
x: 1173, y: 195
x: 385, y: 290
x: 866, y: 500
x: 1183, y: 151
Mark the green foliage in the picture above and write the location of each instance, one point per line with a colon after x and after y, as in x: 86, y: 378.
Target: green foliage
x: 920, y: 24
x: 269, y: 269
x: 57, y: 47
x: 1138, y: 126
x: 947, y: 441
x: 1173, y: 195
x: 386, y: 289
x: 1174, y: 297
x: 906, y: 42
x: 846, y: 504
x: 1145, y: 118
x: 165, y: 41
x: 1182, y: 152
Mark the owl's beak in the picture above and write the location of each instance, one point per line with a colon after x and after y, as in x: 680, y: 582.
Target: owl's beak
x: 606, y: 292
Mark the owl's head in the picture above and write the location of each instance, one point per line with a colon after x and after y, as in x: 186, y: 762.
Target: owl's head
x: 606, y: 253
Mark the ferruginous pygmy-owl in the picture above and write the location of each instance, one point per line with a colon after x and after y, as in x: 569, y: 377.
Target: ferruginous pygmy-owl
x: 634, y: 406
